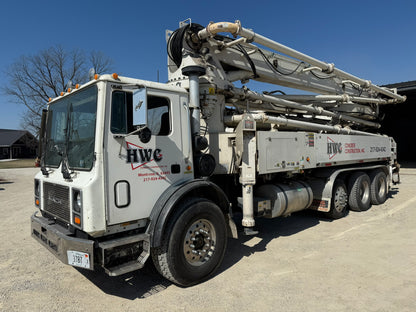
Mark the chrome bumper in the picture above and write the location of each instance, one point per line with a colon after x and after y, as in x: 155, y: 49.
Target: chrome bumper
x: 58, y: 240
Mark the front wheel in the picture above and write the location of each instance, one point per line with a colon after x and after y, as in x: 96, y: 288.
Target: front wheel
x: 194, y: 243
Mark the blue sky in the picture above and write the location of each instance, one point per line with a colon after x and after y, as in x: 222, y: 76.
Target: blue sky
x: 373, y: 40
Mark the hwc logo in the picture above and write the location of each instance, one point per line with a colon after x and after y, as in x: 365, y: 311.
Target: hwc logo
x: 138, y: 156
x: 333, y: 147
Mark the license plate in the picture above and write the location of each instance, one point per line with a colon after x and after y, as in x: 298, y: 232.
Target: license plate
x: 78, y: 259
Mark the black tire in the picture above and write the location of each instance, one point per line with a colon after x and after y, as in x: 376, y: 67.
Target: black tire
x: 359, y: 198
x: 378, y: 187
x: 339, y: 200
x: 194, y: 243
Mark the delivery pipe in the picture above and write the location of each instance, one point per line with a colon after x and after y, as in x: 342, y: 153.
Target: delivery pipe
x: 237, y: 30
x: 283, y: 121
x: 345, y: 98
x: 248, y: 94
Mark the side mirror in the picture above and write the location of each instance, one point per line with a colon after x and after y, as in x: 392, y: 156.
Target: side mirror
x: 139, y: 108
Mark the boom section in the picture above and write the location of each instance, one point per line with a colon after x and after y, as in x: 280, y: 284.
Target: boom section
x: 251, y: 56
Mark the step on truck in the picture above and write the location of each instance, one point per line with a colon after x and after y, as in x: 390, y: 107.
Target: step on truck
x: 134, y: 171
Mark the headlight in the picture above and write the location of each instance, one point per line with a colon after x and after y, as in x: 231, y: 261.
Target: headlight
x: 77, y: 200
x: 37, y: 193
x: 37, y: 188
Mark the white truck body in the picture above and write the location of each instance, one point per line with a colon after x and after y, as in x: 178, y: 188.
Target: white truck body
x: 133, y: 168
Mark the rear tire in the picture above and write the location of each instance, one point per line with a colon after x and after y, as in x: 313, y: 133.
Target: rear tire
x: 359, y: 191
x: 378, y: 187
x: 194, y: 243
x: 339, y: 200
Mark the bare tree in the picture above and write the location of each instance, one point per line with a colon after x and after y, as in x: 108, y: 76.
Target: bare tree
x: 34, y: 79
x: 100, y: 62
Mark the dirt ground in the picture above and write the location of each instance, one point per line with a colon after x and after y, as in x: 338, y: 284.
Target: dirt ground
x: 364, y: 262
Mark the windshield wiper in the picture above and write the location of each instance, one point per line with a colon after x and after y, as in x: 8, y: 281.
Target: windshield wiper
x: 65, y: 163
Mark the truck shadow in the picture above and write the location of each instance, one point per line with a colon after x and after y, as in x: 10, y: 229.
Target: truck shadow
x: 393, y: 191
x: 269, y: 229
x: 135, y: 285
x: 147, y: 281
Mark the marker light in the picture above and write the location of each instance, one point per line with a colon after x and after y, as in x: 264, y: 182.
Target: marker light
x: 62, y: 93
x: 115, y: 76
x: 77, y: 220
x: 96, y: 76
x: 50, y: 99
x: 77, y: 86
x: 69, y: 90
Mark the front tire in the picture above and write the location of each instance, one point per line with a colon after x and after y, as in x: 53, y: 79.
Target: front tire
x: 194, y: 243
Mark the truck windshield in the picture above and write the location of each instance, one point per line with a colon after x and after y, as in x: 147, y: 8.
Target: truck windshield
x: 71, y: 130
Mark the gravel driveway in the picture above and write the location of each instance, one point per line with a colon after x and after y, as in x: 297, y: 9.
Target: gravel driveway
x: 364, y: 262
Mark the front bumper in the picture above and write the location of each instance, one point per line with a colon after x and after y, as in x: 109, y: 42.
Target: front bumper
x: 59, y: 240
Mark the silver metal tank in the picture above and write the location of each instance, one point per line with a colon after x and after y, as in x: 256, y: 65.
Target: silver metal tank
x: 285, y: 198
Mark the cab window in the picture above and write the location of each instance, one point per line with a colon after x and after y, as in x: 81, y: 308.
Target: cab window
x: 121, y: 111
x: 158, y: 114
x: 158, y: 119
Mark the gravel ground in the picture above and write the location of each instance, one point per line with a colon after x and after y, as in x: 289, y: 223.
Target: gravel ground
x: 364, y: 262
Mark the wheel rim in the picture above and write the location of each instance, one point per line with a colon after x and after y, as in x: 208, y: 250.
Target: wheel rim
x: 340, y: 198
x: 199, y: 242
x: 381, y: 187
x: 364, y: 191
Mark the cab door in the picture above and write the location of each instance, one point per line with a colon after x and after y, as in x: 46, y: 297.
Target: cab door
x: 142, y: 165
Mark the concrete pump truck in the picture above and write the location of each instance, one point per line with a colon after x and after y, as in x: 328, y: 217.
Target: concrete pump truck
x: 133, y: 170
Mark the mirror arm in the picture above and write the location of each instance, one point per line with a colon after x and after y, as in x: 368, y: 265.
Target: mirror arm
x: 124, y: 136
x: 118, y: 135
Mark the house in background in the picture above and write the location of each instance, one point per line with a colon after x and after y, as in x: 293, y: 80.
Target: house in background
x: 17, y: 144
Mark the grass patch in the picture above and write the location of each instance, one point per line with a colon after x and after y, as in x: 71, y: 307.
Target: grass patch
x: 18, y: 163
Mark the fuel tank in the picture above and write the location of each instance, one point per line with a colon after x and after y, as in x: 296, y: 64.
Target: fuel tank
x: 285, y: 198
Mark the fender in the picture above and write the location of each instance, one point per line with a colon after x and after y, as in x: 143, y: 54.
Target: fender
x: 166, y: 203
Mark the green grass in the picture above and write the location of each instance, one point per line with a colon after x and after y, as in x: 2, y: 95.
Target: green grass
x: 18, y: 163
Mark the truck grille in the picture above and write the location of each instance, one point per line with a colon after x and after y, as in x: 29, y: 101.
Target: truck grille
x: 56, y: 200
